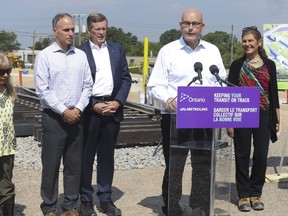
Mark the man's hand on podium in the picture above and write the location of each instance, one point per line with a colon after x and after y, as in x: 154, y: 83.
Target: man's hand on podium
x: 230, y: 132
x: 171, y: 104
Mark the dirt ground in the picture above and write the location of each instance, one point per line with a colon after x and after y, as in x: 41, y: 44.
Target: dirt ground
x: 22, y: 79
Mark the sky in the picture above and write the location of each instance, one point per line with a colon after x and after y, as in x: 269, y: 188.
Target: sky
x: 141, y: 18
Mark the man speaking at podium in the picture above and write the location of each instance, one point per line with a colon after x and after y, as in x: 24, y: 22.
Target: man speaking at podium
x: 184, y: 62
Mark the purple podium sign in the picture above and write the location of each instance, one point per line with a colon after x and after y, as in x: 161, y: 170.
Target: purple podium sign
x: 218, y: 107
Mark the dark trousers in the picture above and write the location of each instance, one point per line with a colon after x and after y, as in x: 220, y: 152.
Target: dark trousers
x: 100, y: 136
x: 175, y: 159
x: 251, y: 185
x: 7, y: 188
x: 60, y: 140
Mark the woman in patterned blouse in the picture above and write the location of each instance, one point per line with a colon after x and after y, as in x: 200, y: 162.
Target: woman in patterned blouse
x: 254, y: 69
x: 7, y: 137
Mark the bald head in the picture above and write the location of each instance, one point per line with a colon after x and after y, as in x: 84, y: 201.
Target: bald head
x: 192, y: 13
x: 191, y: 26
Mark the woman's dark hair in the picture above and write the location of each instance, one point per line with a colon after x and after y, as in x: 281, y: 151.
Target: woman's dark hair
x: 254, y: 31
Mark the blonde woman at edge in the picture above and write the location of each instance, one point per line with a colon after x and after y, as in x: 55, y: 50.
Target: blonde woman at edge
x: 7, y: 137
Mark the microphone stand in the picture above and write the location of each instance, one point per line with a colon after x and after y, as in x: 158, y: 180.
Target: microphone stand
x: 226, y: 82
x: 158, y: 148
x: 190, y: 83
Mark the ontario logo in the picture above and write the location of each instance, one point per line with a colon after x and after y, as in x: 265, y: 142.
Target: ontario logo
x: 184, y: 97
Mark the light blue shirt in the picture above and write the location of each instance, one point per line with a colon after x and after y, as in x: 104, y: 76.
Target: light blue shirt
x: 174, y: 67
x: 62, y: 79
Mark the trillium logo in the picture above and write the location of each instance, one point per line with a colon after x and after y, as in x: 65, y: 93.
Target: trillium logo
x: 183, y: 97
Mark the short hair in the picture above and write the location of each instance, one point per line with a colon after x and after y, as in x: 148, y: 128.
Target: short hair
x: 95, y: 17
x: 58, y: 17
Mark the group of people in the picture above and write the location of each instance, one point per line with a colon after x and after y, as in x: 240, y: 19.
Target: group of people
x: 82, y: 91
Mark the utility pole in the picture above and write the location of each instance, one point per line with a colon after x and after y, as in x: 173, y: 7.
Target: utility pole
x: 77, y: 19
x: 33, y: 49
x: 79, y: 33
x: 232, y: 46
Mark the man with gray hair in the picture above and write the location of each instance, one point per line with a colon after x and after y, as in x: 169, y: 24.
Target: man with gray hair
x: 112, y: 82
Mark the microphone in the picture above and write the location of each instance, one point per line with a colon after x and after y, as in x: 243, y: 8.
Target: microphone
x: 215, y: 71
x: 198, y: 68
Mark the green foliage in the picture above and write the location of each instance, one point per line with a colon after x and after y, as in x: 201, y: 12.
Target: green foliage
x: 85, y: 36
x: 78, y: 41
x: 223, y: 41
x: 8, y: 41
x: 130, y: 42
x: 43, y: 44
x: 135, y: 70
x: 134, y: 47
x: 154, y: 48
x: 169, y: 36
x: 238, y: 50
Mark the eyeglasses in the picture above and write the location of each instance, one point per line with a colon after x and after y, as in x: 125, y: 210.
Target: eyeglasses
x: 3, y: 71
x: 249, y: 28
x: 186, y: 24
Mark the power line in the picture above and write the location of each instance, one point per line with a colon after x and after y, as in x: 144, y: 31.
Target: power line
x: 25, y: 33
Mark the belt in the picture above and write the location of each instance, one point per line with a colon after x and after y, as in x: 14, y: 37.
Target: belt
x: 104, y: 98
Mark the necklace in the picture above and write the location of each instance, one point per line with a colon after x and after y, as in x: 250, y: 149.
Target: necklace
x: 253, y: 61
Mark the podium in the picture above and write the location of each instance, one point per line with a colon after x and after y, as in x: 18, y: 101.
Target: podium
x: 205, y: 190
x: 195, y: 130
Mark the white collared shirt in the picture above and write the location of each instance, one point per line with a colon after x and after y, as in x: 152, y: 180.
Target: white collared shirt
x: 103, y: 84
x: 175, y: 67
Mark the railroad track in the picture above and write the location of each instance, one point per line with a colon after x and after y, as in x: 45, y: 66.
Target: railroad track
x: 141, y: 123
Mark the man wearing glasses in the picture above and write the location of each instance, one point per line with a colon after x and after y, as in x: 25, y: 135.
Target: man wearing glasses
x: 175, y: 67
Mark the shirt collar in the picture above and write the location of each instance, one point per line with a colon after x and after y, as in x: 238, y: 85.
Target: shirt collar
x: 57, y: 48
x: 95, y: 46
x: 184, y: 45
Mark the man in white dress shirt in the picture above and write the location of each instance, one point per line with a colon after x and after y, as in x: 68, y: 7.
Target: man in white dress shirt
x: 175, y: 67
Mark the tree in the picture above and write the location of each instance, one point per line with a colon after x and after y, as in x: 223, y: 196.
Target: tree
x: 238, y: 49
x: 154, y: 47
x: 130, y: 42
x: 127, y: 40
x: 8, y: 41
x: 43, y: 44
x: 169, y: 36
x: 223, y: 41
